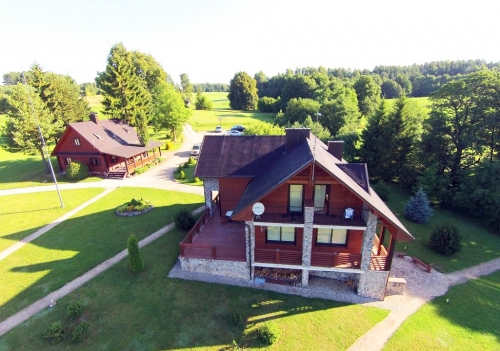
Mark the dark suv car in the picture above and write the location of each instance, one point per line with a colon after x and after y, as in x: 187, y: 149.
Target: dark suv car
x: 238, y: 127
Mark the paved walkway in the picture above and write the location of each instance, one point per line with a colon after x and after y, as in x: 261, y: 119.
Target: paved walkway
x: 27, y: 312
x: 404, y: 306
x: 13, y: 248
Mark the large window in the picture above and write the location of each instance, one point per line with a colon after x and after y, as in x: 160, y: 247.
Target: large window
x: 320, y: 197
x: 295, y: 196
x: 331, y: 236
x: 281, y: 234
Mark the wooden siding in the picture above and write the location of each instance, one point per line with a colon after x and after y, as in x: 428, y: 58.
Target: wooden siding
x: 260, y: 240
x: 354, y: 243
x: 230, y: 191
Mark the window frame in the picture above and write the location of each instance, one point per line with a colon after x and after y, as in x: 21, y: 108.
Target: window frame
x: 281, y: 241
x: 331, y: 237
x: 77, y: 142
x: 301, y: 209
x: 94, y: 161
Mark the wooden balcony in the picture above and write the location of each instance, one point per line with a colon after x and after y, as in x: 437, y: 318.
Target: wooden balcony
x: 335, y: 260
x: 334, y: 216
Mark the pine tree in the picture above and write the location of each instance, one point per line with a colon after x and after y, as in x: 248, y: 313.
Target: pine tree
x: 134, y: 254
x: 125, y: 94
x: 418, y: 209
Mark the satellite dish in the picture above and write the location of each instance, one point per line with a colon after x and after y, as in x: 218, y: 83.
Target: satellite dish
x: 258, y: 208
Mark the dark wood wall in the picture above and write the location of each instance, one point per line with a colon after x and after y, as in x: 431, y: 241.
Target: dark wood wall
x: 230, y: 191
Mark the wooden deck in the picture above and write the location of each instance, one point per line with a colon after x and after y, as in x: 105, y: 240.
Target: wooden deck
x: 215, y: 238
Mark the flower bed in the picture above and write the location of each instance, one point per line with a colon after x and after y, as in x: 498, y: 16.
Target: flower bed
x: 134, y: 208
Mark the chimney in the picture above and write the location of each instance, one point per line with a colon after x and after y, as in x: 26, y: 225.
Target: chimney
x: 335, y: 148
x: 294, y: 136
x: 94, y: 118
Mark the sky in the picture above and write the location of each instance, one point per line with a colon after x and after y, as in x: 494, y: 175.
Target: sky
x: 212, y: 40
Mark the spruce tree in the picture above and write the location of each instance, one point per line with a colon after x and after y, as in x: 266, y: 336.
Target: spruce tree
x: 125, y: 93
x: 418, y: 209
x: 134, y: 254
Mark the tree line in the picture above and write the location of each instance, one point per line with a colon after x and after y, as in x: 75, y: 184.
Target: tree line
x: 452, y: 153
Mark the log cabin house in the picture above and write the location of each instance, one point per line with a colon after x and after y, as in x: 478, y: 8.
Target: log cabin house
x: 110, y: 148
x: 316, y: 214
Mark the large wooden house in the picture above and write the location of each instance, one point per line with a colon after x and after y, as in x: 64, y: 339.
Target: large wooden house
x: 287, y: 208
x: 110, y: 148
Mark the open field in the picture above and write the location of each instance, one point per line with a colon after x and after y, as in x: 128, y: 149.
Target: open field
x: 466, y: 318
x: 421, y: 101
x: 152, y: 312
x: 25, y: 214
x: 479, y: 245
x: 207, y: 120
x: 80, y: 243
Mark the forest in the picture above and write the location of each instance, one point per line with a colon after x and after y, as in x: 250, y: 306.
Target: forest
x: 450, y: 149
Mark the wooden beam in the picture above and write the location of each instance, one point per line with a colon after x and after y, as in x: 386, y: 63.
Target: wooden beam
x: 390, y: 254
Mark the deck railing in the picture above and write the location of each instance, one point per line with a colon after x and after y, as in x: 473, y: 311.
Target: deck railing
x: 278, y: 256
x: 332, y: 216
x: 335, y: 259
x: 205, y: 251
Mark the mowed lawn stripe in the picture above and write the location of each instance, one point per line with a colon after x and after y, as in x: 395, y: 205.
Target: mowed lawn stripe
x: 80, y: 243
x: 23, y: 214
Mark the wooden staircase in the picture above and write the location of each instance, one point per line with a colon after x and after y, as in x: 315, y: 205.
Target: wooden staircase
x: 118, y: 173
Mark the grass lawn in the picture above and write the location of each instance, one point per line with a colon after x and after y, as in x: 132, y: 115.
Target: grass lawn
x: 208, y: 120
x: 80, y: 243
x: 189, y: 176
x: 479, y: 245
x: 152, y: 312
x: 27, y: 213
x: 468, y: 321
x: 421, y: 101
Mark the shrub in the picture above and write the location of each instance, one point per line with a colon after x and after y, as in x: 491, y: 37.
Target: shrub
x: 191, y: 161
x: 77, y: 171
x: 418, y: 209
x: 268, y: 333
x: 445, y: 239
x: 179, y: 169
x: 196, y: 180
x: 134, y: 254
x: 182, y: 175
x: 236, y: 318
x: 186, y: 164
x: 140, y: 170
x: 168, y: 145
x: 74, y: 310
x: 54, y: 332
x: 382, y: 190
x: 81, y: 331
x: 184, y: 220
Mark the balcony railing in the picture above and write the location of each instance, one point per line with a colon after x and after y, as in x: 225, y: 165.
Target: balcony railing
x: 278, y: 256
x: 330, y: 216
x: 335, y: 259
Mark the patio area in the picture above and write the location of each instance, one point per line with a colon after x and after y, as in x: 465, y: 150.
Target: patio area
x: 215, y: 238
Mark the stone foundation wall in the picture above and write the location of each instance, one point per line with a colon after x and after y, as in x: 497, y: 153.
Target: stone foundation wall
x: 372, y: 284
x: 229, y: 269
x: 335, y: 275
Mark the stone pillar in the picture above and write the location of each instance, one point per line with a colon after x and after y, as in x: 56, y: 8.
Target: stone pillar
x: 367, y: 245
x: 307, y: 240
x: 250, y: 245
x: 209, y: 185
x: 373, y: 284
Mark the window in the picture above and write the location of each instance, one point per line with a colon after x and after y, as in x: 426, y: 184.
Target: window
x: 113, y: 159
x: 95, y: 161
x: 68, y: 160
x: 281, y: 234
x: 320, y: 197
x: 295, y: 195
x: 77, y: 142
x: 331, y: 236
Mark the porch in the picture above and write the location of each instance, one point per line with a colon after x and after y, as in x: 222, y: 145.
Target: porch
x: 331, y: 216
x: 329, y: 260
x: 215, y: 238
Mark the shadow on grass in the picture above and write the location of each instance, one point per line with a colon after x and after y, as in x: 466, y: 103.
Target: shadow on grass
x: 94, y: 238
x: 475, y: 305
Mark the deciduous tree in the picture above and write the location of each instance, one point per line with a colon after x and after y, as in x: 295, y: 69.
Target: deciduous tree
x: 243, y: 92
x: 368, y: 93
